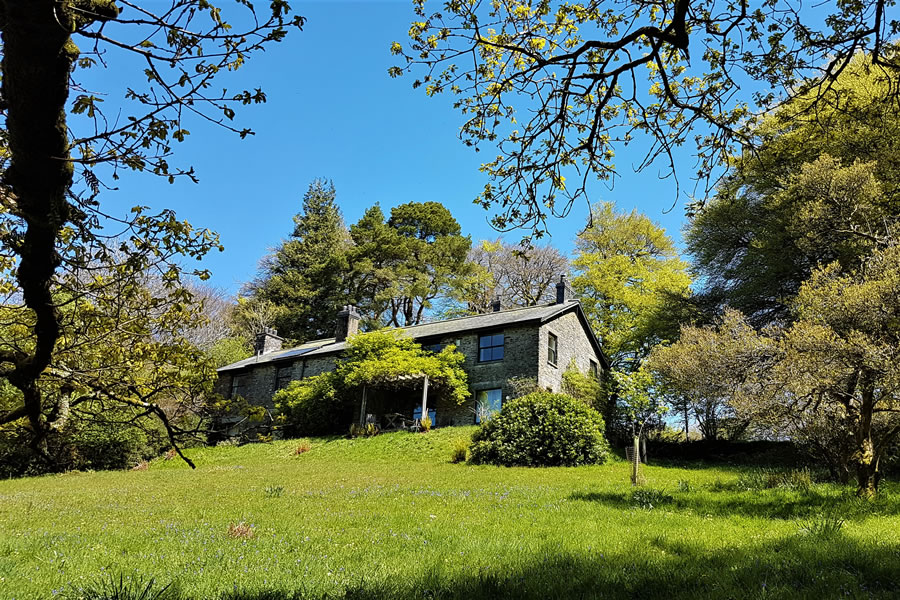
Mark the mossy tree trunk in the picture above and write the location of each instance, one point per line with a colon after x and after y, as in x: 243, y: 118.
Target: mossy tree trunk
x: 38, y: 56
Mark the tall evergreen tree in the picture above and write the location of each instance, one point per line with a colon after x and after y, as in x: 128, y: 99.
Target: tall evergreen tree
x: 305, y: 277
x: 401, y: 266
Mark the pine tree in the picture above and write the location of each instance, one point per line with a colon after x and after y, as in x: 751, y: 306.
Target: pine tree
x: 305, y: 277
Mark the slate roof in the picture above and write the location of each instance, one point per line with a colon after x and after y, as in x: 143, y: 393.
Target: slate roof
x: 493, y: 320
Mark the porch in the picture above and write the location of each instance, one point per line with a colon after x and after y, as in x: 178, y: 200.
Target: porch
x: 400, y: 404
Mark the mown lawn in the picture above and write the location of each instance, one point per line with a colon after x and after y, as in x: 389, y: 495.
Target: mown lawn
x: 391, y: 517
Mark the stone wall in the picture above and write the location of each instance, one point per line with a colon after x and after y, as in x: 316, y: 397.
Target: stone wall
x: 257, y: 384
x: 573, y: 344
x: 519, y: 360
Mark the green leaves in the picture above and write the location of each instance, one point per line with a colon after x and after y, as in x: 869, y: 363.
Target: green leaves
x: 389, y: 359
x: 630, y: 281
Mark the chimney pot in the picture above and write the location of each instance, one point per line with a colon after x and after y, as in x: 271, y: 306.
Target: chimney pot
x: 563, y: 291
x: 347, y: 323
x: 267, y: 341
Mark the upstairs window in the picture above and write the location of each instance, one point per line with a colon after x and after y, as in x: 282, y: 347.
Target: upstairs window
x: 490, y: 347
x: 436, y: 348
x: 552, y: 349
x: 595, y: 370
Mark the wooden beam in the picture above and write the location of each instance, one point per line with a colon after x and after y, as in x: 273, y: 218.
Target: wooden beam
x: 362, y: 408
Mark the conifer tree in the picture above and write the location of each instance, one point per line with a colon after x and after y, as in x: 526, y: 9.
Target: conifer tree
x: 304, y: 278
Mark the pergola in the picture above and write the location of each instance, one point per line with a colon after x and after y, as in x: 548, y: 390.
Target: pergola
x: 394, y: 380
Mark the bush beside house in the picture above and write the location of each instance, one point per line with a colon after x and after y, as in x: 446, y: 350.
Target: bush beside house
x: 541, y: 429
x: 312, y: 406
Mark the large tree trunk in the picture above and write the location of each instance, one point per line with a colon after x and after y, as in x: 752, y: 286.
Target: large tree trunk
x: 37, y: 58
x: 867, y: 475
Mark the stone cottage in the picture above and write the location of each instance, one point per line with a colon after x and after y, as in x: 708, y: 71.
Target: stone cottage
x: 536, y: 342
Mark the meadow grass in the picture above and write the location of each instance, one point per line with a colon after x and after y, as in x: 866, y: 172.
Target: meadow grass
x: 392, y: 517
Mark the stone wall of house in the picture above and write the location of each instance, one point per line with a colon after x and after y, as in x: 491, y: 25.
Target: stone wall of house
x: 573, y: 343
x: 257, y: 384
x: 519, y: 360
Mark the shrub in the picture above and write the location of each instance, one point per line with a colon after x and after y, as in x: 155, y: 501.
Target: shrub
x: 426, y: 423
x: 274, y: 491
x: 312, y: 406
x: 459, y: 450
x: 647, y: 498
x: 582, y: 386
x: 822, y: 527
x: 302, y: 447
x: 80, y: 445
x: 541, y: 429
x: 767, y: 479
x: 107, y: 446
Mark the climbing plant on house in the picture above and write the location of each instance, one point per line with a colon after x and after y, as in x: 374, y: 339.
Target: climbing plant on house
x: 379, y: 359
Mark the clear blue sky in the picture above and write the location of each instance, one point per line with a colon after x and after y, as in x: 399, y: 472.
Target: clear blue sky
x: 333, y: 112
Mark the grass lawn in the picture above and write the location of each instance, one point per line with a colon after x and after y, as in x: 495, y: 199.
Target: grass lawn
x: 391, y: 517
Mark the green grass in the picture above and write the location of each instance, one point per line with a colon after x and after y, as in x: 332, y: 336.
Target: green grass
x: 391, y: 517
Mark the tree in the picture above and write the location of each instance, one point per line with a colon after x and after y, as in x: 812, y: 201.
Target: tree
x: 822, y: 186
x: 704, y: 370
x: 401, y: 266
x: 126, y: 354
x: 388, y: 359
x: 630, y: 281
x: 641, y: 408
x: 830, y: 379
x: 514, y: 274
x: 385, y: 359
x: 50, y: 229
x: 562, y: 86
x: 304, y: 279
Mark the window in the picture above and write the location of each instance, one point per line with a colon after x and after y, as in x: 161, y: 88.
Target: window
x: 283, y: 376
x: 436, y: 348
x: 490, y: 347
x: 487, y: 402
x: 552, y: 347
x: 595, y: 369
x: 238, y: 385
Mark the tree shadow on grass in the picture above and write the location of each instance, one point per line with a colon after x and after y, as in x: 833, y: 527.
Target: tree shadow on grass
x: 765, y: 503
x: 796, y: 567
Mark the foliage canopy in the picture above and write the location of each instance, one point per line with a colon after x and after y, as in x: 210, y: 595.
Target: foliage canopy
x: 559, y: 87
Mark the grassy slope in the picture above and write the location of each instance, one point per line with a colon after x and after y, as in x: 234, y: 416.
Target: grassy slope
x: 391, y: 517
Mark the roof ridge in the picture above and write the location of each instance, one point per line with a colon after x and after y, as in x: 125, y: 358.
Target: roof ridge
x: 508, y: 310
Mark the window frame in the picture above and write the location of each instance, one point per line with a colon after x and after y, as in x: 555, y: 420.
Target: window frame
x: 594, y: 368
x: 238, y: 383
x: 492, y: 347
x: 489, y: 413
x: 552, y: 349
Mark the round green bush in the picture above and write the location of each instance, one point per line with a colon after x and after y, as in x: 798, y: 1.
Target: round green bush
x: 541, y: 429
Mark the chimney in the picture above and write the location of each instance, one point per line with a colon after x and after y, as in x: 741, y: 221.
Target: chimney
x: 347, y: 323
x: 563, y: 291
x: 267, y: 341
x: 495, y: 304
